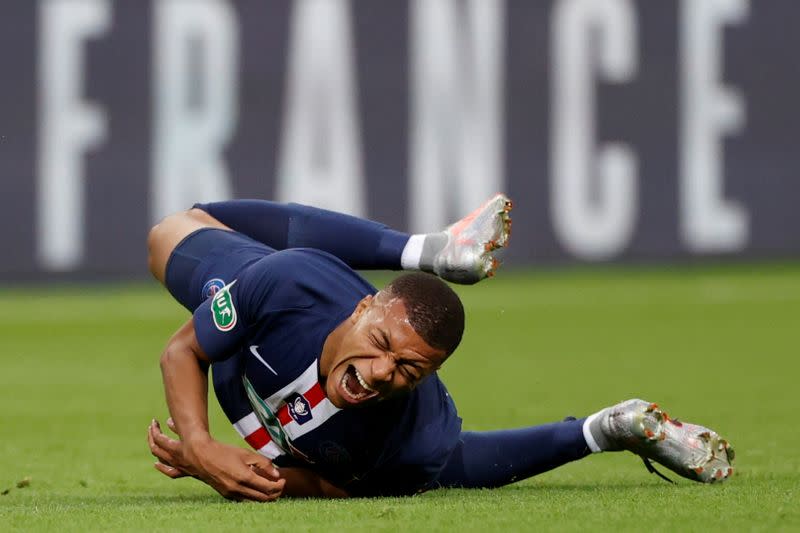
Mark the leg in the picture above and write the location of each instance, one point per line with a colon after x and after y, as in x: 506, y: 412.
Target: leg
x: 359, y: 243
x: 462, y: 253
x: 165, y: 236
x: 692, y: 451
x: 193, y: 255
x: 496, y: 458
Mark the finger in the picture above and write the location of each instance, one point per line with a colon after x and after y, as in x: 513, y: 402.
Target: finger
x: 163, y: 455
x: 150, y: 431
x: 169, y: 471
x: 155, y: 426
x: 263, y: 485
x: 264, y: 468
x: 154, y: 448
x: 154, y: 429
x: 248, y: 493
x: 170, y: 445
x: 171, y: 425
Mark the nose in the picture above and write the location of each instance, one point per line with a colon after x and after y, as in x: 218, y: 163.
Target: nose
x: 383, y: 368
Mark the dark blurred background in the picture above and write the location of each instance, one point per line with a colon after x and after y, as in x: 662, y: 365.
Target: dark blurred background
x: 633, y: 131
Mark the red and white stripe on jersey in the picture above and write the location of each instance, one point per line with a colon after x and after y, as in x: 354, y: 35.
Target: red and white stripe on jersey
x: 306, y: 385
x: 251, y: 430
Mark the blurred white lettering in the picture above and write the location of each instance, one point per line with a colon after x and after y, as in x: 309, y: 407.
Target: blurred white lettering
x: 320, y: 156
x: 68, y: 127
x: 195, y: 57
x: 593, y: 190
x: 456, y: 144
x: 709, y: 110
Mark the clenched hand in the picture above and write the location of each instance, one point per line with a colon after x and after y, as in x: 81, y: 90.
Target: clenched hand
x: 235, y: 473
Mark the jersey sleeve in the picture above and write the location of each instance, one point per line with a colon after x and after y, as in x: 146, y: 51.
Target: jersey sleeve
x: 222, y: 322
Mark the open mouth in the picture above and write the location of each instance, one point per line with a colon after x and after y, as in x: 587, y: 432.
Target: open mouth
x: 354, y: 386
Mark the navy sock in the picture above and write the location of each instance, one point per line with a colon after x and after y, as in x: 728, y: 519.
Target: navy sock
x: 360, y: 243
x: 495, y: 458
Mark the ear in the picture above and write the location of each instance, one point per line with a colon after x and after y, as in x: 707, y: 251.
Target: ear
x: 361, y: 307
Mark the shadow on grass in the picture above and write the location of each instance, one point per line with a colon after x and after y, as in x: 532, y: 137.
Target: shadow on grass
x: 604, y: 486
x: 524, y: 490
x: 607, y: 487
x: 137, y: 500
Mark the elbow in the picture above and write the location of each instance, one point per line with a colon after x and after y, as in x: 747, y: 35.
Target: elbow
x: 175, y: 361
x: 181, y: 348
x: 175, y: 351
x: 167, y: 359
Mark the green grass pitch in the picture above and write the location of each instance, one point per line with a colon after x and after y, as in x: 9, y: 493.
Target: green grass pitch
x: 79, y: 383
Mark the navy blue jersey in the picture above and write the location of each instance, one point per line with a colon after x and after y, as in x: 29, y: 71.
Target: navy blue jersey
x: 264, y: 332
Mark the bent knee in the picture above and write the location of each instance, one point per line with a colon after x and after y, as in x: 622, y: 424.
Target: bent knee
x: 167, y: 234
x: 159, y: 247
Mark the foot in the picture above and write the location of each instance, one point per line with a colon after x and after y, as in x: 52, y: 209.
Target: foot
x: 463, y: 253
x: 691, y: 451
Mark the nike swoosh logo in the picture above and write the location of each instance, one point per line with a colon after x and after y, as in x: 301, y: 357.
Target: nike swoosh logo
x: 254, y: 351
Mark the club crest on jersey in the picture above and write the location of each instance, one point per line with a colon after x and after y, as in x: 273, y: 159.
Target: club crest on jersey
x: 334, y: 453
x: 299, y: 408
x: 222, y: 308
x: 212, y: 287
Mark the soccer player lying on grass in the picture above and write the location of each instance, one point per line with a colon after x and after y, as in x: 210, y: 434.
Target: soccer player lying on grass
x: 333, y: 382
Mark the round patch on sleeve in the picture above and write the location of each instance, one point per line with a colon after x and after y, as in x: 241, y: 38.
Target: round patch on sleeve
x: 212, y: 287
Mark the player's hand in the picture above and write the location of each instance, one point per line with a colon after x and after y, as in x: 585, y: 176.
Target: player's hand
x: 162, y: 465
x: 235, y: 473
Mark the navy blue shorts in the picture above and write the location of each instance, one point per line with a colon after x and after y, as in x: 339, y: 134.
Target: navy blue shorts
x: 208, y: 259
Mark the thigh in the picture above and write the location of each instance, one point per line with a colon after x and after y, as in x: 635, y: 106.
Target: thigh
x: 206, y: 260
x: 165, y: 236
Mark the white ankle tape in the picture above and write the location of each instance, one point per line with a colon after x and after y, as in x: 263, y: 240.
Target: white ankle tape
x: 412, y: 252
x: 587, y: 434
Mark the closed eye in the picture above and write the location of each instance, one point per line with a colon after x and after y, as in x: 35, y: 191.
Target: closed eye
x: 381, y: 340
x: 377, y: 342
x: 409, y: 374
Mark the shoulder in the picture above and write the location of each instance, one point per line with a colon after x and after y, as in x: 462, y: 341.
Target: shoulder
x: 432, y: 426
x: 426, y: 434
x: 433, y: 417
x: 430, y: 431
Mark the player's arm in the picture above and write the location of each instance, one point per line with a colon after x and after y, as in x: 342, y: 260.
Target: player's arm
x: 234, y: 472
x: 186, y: 383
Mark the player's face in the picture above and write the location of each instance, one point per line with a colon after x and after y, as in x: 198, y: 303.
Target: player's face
x: 379, y: 356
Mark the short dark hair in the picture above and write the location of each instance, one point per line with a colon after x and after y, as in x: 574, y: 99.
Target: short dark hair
x: 434, y: 309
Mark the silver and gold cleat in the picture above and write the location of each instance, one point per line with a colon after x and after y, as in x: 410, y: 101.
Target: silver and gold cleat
x: 467, y: 257
x: 692, y: 451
